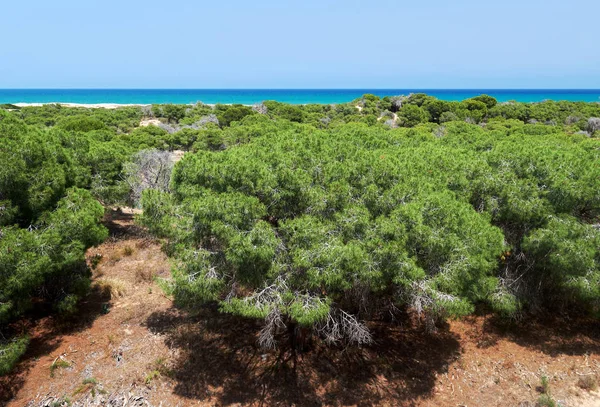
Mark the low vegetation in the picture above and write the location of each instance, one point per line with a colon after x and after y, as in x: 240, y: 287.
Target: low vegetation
x: 588, y: 382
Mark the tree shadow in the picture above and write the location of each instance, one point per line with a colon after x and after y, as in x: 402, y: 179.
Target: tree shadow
x: 46, y: 332
x: 120, y: 223
x: 218, y: 360
x: 553, y: 335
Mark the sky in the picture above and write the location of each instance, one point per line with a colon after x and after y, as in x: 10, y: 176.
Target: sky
x: 400, y: 44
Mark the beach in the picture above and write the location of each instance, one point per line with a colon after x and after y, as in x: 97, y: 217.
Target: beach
x: 110, y: 98
x: 83, y: 105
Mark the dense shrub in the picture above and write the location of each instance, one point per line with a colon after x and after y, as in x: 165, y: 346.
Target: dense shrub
x: 411, y: 115
x: 231, y: 113
x: 47, y: 220
x: 10, y: 352
x: 299, y: 226
x: 50, y: 257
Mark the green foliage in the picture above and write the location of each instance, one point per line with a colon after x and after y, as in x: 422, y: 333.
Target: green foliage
x: 411, y: 115
x: 173, y: 113
x: 289, y: 221
x: 158, y: 208
x: 47, y: 219
x: 545, y: 399
x: 50, y: 257
x: 82, y: 124
x: 90, y: 380
x: 231, y: 113
x: 567, y: 263
x: 58, y: 363
x: 285, y: 111
x: 10, y: 353
x: 489, y: 101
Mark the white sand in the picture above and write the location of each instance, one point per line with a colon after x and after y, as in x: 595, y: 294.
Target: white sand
x: 113, y: 105
x: 148, y: 122
x: 86, y: 105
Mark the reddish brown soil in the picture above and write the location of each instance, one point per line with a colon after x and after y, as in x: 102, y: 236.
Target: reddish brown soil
x: 146, y: 348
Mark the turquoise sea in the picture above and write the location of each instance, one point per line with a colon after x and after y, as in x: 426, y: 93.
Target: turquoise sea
x: 295, y: 96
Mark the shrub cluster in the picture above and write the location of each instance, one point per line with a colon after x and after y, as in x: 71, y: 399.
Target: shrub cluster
x: 47, y: 220
x: 316, y: 227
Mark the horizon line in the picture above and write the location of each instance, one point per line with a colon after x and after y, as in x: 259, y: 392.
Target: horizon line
x: 309, y: 89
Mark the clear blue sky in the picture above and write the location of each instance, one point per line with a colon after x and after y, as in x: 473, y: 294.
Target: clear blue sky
x: 304, y: 44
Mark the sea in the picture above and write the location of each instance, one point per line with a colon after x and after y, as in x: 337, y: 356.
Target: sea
x: 293, y: 96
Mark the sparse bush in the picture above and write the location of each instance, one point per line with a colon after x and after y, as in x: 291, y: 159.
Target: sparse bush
x: 169, y: 128
x: 593, y: 125
x: 572, y: 120
x: 545, y: 387
x: 61, y: 402
x: 545, y: 400
x: 260, y: 108
x: 58, y: 363
x: 390, y: 123
x: 150, y: 169
x: 205, y: 121
x: 154, y: 374
x: 90, y: 380
x: 588, y: 382
x: 159, y: 369
x: 112, y: 287
x: 128, y: 250
x: 114, y: 258
x: 87, y: 384
x: 95, y: 260
x: 144, y: 274
x: 396, y: 102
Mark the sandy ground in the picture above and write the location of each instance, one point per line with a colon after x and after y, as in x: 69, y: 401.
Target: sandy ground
x: 149, y: 122
x: 109, y: 105
x: 86, y: 105
x: 132, y: 347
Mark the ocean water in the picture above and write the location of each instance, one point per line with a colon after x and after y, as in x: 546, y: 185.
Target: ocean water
x: 294, y: 96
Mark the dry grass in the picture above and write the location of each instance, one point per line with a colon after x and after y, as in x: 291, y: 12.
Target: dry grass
x: 128, y: 251
x: 99, y: 272
x: 113, y: 259
x: 144, y: 274
x: 132, y: 313
x: 144, y: 243
x: 111, y: 286
x: 588, y: 382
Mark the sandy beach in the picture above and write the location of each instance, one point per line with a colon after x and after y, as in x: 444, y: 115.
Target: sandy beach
x: 86, y: 105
